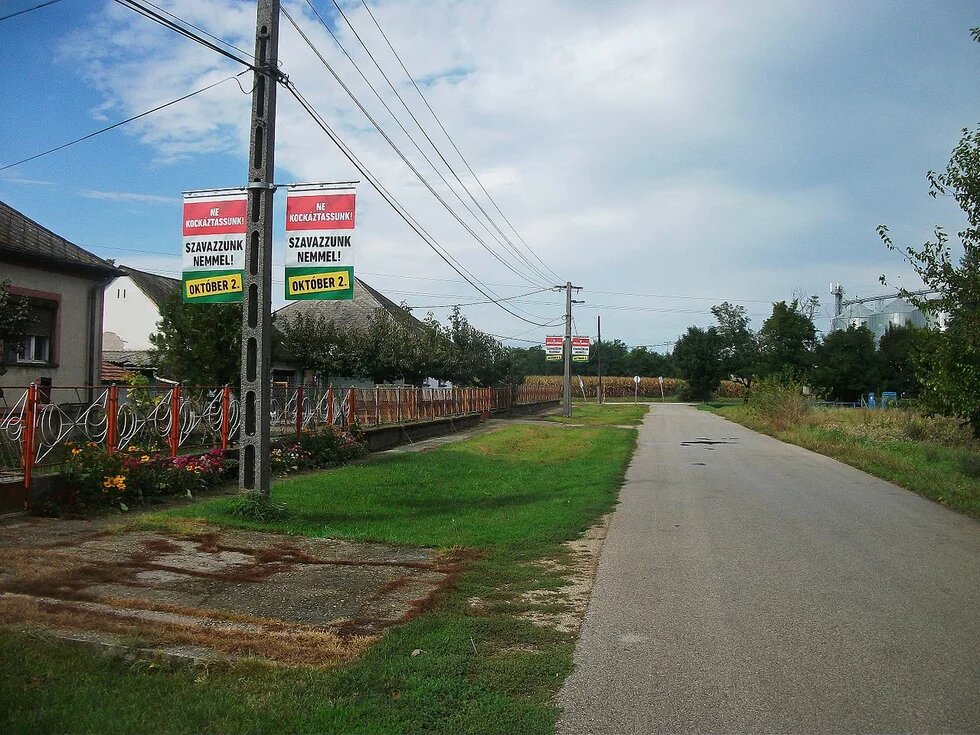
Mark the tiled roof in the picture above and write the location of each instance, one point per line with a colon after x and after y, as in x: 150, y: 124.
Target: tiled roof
x: 157, y: 288
x: 21, y: 238
x: 356, y: 312
x: 114, y: 374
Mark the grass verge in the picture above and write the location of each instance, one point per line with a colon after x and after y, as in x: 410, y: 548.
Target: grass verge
x: 473, y: 663
x: 938, y: 464
x: 607, y: 414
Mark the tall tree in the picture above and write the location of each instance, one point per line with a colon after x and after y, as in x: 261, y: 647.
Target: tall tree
x: 898, y: 359
x: 786, y: 342
x: 950, y: 363
x: 698, y: 357
x: 844, y: 364
x: 15, y: 317
x: 318, y: 344
x: 740, y: 348
x: 200, y: 344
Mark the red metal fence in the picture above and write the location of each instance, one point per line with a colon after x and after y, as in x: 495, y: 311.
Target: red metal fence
x: 39, y: 425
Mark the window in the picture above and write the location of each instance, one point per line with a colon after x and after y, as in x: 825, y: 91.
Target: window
x: 39, y: 333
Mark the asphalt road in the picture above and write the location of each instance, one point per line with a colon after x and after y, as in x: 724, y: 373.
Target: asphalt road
x: 753, y: 586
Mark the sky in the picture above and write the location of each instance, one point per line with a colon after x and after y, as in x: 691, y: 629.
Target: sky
x: 663, y: 155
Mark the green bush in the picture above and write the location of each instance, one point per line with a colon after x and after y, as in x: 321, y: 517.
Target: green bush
x: 330, y: 446
x: 778, y: 401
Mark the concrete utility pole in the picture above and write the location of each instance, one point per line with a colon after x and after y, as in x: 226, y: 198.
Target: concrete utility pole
x: 253, y: 473
x: 567, y: 411
x: 598, y: 354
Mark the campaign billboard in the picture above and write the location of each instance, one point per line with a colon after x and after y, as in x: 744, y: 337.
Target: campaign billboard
x: 213, y: 246
x: 320, y: 242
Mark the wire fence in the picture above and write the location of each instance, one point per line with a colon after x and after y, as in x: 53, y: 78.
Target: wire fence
x: 40, y: 424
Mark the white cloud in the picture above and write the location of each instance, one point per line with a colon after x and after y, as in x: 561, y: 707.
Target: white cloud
x: 127, y: 196
x: 617, y: 136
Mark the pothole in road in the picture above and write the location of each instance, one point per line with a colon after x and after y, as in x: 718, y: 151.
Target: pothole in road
x: 694, y: 442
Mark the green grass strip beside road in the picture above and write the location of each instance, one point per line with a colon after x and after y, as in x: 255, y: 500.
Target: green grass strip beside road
x: 515, y: 494
x: 927, y: 468
x: 608, y: 414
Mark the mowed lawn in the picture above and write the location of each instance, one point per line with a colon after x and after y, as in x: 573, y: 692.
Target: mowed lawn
x: 513, y: 496
x: 607, y: 414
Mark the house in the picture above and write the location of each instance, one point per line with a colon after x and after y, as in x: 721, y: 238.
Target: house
x: 64, y: 286
x: 132, y: 312
x: 354, y: 313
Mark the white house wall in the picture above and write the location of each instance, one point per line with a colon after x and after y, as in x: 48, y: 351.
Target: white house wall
x: 130, y: 315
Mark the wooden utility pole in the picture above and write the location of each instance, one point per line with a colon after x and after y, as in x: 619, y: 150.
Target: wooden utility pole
x: 253, y: 474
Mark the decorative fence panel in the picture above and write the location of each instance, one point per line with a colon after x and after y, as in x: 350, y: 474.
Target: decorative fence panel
x: 40, y: 424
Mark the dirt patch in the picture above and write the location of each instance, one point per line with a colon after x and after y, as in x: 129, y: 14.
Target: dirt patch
x: 564, y: 608
x: 290, y: 599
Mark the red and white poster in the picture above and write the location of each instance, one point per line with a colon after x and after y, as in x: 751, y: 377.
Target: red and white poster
x: 213, y: 245
x: 580, y: 348
x: 320, y: 241
x: 553, y: 348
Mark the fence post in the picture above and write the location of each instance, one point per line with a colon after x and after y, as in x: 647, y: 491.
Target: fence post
x: 330, y: 406
x: 27, y: 438
x: 377, y: 406
x: 225, y: 416
x: 350, y: 406
x: 299, y: 410
x: 174, y: 420
x: 111, y: 415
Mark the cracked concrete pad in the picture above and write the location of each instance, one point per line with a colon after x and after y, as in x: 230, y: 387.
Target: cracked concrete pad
x: 184, y: 588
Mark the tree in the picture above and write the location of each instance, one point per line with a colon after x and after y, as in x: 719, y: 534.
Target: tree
x: 318, y: 344
x: 844, y: 364
x: 644, y: 362
x: 15, y: 317
x: 200, y: 344
x: 698, y: 356
x: 740, y: 348
x: 950, y: 362
x: 899, y: 354
x: 786, y: 342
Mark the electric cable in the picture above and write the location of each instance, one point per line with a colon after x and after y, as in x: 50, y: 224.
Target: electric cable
x: 118, y: 124
x: 506, y: 240
x: 453, y: 142
x: 28, y: 10
x: 399, y: 152
x: 176, y: 27
x: 386, y: 195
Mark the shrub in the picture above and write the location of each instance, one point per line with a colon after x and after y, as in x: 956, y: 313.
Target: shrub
x: 778, y: 401
x: 251, y: 506
x: 95, y: 478
x: 330, y: 446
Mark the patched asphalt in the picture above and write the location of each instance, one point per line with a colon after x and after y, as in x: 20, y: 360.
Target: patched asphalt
x: 747, y: 585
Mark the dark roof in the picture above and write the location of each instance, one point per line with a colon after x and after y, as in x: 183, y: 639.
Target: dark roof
x: 356, y: 312
x: 114, y: 374
x: 23, y: 239
x: 129, y: 358
x: 157, y: 288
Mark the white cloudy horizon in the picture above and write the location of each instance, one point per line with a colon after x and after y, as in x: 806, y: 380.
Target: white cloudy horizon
x: 692, y: 152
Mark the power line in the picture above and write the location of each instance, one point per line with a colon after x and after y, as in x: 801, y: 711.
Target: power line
x: 28, y: 10
x: 118, y: 124
x: 477, y: 303
x: 317, y: 118
x: 399, y: 209
x: 182, y: 30
x: 453, y: 142
x: 399, y: 152
x: 506, y: 240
